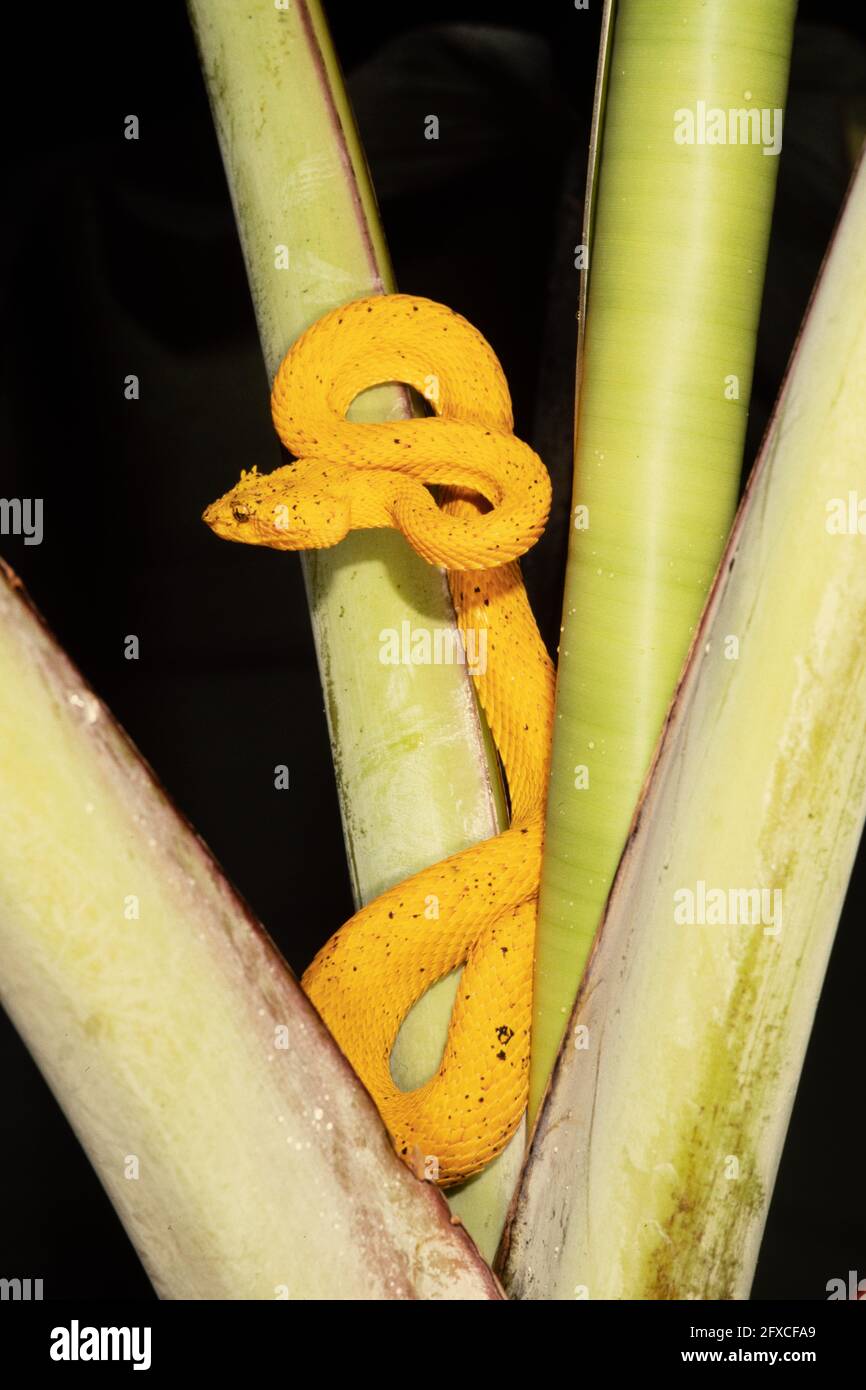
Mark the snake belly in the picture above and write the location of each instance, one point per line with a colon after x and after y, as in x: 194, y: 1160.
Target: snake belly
x: 494, y: 496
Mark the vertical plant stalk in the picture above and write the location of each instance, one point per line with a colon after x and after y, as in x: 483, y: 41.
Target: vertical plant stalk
x: 653, y: 1161
x: 677, y: 260
x: 416, y: 775
x: 239, y: 1150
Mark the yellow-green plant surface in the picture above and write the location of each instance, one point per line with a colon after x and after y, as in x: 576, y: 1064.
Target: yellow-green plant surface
x: 238, y: 1149
x: 415, y: 774
x: 676, y: 266
x: 655, y: 1155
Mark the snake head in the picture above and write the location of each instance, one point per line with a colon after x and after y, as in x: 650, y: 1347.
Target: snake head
x: 302, y: 506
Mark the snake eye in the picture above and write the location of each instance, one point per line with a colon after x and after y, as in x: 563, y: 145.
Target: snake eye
x: 241, y: 512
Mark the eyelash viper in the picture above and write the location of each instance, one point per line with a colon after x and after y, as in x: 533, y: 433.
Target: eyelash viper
x: 494, y: 504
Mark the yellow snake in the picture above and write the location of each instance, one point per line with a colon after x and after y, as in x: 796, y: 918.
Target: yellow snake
x: 494, y: 504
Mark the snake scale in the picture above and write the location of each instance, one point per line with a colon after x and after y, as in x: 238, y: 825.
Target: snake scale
x: 493, y: 497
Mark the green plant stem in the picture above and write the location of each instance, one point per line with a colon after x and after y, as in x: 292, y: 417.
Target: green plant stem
x: 242, y: 1156
x: 676, y: 270
x: 416, y: 774
x: 654, y: 1158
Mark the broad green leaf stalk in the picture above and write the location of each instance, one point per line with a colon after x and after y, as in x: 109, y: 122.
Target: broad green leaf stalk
x: 690, y: 149
x: 415, y: 770
x: 653, y: 1162
x: 239, y: 1151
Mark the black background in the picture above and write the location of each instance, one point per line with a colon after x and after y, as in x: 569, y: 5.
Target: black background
x: 122, y: 257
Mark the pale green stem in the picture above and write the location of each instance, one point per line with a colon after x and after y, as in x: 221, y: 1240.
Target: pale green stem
x: 677, y: 261
x: 653, y: 1162
x: 238, y: 1149
x: 415, y: 775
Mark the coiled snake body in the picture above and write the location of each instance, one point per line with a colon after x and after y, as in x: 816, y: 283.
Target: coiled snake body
x: 494, y: 503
